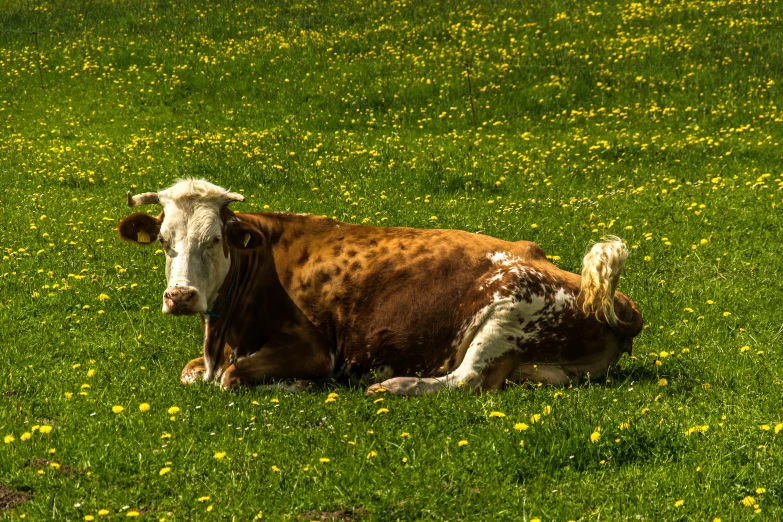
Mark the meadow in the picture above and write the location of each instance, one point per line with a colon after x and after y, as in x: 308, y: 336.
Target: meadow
x: 557, y: 122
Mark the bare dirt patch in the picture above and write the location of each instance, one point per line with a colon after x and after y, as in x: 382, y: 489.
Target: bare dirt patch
x: 46, y: 463
x: 342, y: 515
x: 10, y: 498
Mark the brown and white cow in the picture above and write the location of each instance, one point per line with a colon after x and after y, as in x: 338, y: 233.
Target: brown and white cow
x: 297, y: 297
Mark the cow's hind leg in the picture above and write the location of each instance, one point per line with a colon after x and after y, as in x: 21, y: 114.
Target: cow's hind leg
x: 504, y: 370
x: 490, y: 358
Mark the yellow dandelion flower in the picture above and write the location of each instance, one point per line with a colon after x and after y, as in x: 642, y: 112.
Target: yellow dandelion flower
x: 117, y: 409
x: 144, y: 407
x: 276, y: 469
x: 663, y: 382
x: 45, y: 429
x: 219, y: 454
x: 462, y: 443
x: 520, y: 426
x: 103, y: 512
x: 372, y: 454
x: 25, y: 436
x: 163, y: 471
x: 173, y: 410
x: 323, y: 460
x: 381, y: 411
x: 203, y: 499
x: 8, y: 439
x: 679, y: 503
x: 748, y: 501
x: 498, y: 414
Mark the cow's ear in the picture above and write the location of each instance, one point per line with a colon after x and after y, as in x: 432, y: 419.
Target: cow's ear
x: 139, y: 228
x: 243, y: 236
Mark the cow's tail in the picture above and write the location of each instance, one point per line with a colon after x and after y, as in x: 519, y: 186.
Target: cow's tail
x: 601, y: 269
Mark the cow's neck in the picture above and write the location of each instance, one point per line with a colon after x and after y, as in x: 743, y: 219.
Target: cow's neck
x: 252, y: 308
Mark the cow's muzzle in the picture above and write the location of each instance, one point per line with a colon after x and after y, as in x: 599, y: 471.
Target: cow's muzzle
x: 180, y: 300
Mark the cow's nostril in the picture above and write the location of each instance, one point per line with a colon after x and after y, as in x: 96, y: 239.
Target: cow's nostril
x: 180, y: 295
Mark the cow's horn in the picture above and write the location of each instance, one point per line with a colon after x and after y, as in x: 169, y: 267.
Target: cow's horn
x: 233, y: 196
x: 147, y: 198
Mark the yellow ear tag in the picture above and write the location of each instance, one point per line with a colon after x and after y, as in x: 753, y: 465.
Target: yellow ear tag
x: 247, y: 239
x: 142, y: 237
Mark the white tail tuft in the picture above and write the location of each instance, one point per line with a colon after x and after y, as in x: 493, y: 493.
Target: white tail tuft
x: 601, y: 269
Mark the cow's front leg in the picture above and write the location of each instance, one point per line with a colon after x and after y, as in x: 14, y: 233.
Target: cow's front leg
x: 193, y: 371
x: 270, y: 365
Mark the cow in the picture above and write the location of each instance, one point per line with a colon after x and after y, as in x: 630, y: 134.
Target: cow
x: 303, y: 299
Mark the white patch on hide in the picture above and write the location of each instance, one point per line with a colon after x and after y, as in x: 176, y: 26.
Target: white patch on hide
x: 518, y: 313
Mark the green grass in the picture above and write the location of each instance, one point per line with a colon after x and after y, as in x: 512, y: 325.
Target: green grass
x: 656, y: 122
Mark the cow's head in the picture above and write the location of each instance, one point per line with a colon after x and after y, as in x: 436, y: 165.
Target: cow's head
x: 197, y: 232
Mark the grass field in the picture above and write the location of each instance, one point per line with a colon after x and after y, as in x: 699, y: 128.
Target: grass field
x: 658, y: 122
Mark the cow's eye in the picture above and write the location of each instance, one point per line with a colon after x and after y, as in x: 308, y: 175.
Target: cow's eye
x: 216, y: 240
x: 163, y: 242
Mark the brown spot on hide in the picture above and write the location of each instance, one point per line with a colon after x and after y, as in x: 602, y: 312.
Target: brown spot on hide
x: 304, y: 256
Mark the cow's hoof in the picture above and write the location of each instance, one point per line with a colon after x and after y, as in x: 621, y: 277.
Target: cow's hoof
x: 228, y: 382
x: 189, y: 376
x: 375, y: 389
x: 193, y: 371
